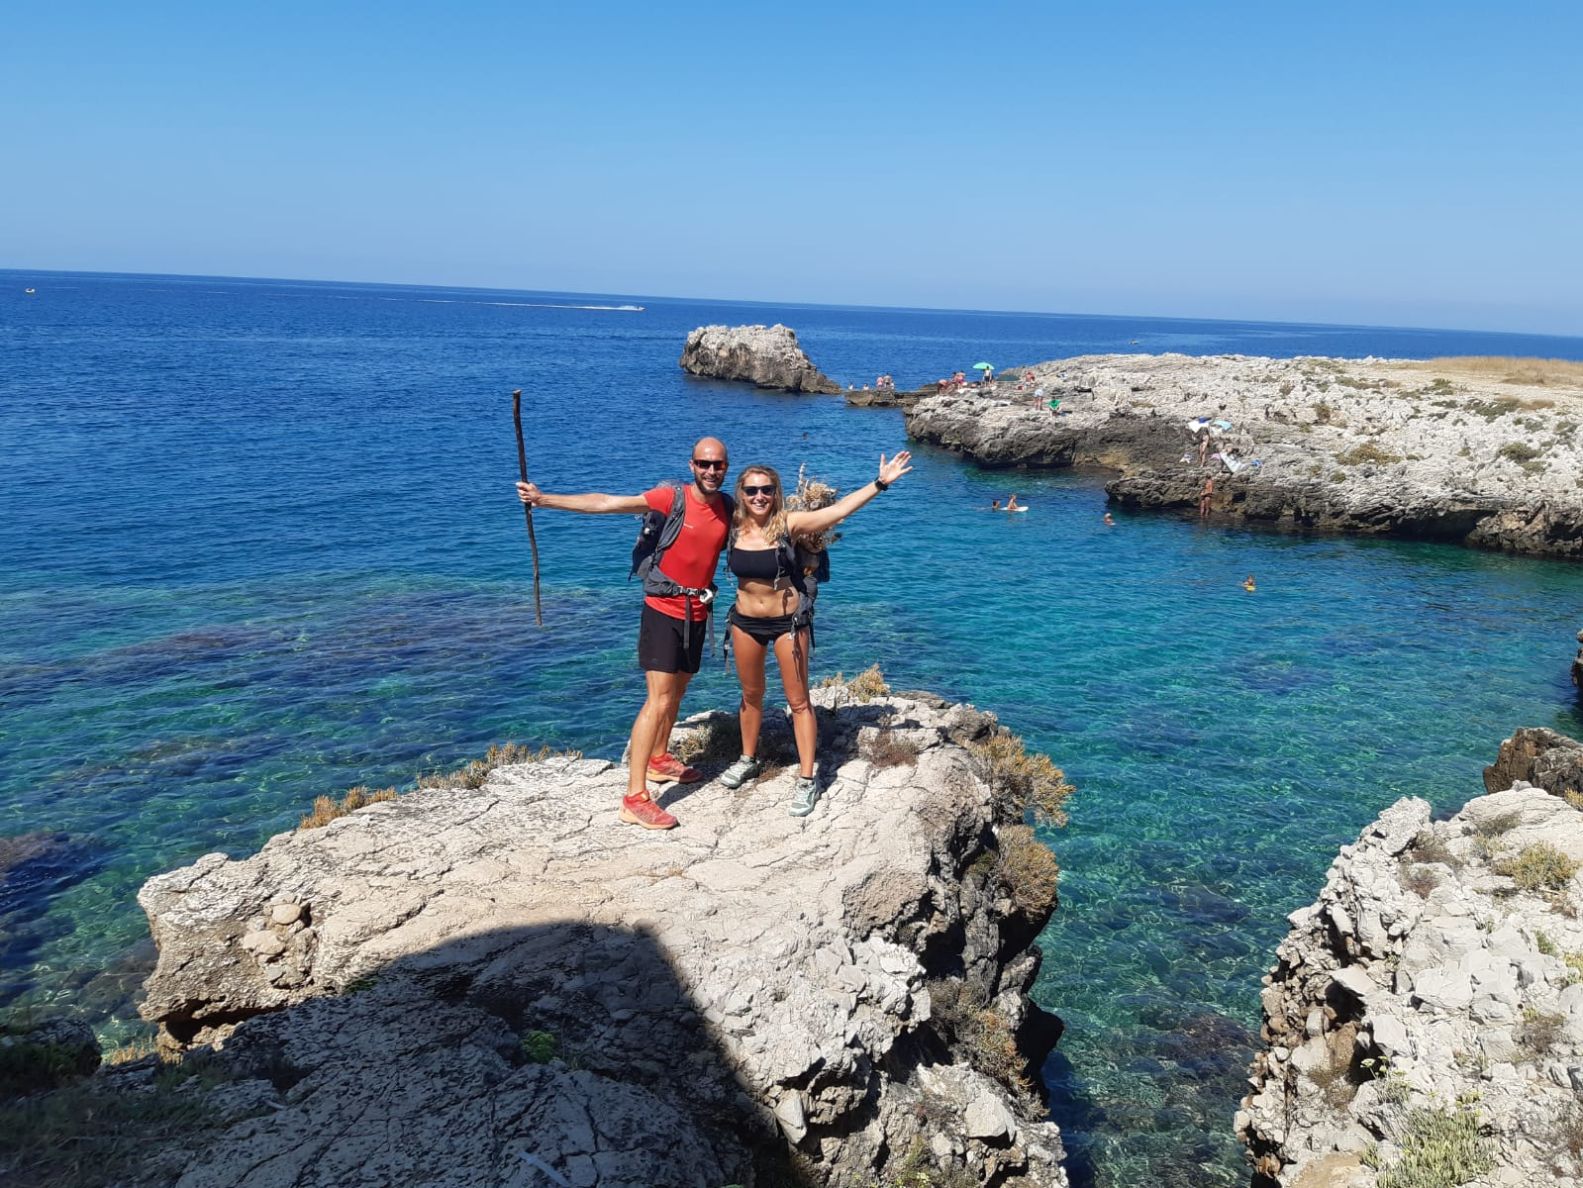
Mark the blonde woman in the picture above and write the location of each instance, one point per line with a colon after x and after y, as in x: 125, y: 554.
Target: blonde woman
x: 773, y: 610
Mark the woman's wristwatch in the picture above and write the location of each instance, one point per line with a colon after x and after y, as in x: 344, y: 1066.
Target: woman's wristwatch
x: 880, y: 484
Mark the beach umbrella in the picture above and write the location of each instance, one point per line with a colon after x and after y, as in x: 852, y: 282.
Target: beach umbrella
x: 983, y: 367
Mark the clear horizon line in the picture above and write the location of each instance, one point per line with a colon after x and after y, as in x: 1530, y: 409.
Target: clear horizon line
x: 928, y: 309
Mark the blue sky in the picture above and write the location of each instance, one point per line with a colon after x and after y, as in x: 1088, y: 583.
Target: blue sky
x: 1403, y: 163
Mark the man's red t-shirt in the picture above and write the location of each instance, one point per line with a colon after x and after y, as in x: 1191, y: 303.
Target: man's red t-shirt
x: 691, y: 561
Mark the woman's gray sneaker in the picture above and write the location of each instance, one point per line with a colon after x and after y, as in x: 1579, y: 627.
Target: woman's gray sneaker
x: 740, y: 772
x: 805, y: 794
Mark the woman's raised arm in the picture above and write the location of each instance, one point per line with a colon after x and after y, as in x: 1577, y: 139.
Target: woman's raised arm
x: 811, y: 523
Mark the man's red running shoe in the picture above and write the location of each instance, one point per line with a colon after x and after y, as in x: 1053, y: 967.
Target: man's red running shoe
x: 666, y: 768
x: 641, y: 810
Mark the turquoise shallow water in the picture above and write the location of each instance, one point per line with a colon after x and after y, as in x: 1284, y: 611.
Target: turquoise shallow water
x: 260, y: 544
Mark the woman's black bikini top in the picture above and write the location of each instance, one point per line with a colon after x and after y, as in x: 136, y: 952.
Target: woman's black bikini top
x: 755, y: 564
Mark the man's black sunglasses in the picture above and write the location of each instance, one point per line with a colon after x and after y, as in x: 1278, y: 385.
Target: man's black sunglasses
x: 710, y: 464
x: 769, y: 490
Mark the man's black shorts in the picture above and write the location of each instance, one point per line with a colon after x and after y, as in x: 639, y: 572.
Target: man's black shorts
x: 660, y: 647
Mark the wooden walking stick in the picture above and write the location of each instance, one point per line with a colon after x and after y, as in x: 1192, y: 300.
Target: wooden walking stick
x: 522, y: 467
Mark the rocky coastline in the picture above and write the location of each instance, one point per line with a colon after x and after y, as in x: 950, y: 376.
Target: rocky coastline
x: 768, y: 356
x: 476, y: 984
x: 1481, y: 457
x: 1424, y: 1020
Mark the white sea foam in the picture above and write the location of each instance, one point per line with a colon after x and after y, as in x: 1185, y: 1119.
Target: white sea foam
x: 547, y: 305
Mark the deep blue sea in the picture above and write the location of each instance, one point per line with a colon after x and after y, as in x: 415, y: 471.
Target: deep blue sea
x: 259, y: 542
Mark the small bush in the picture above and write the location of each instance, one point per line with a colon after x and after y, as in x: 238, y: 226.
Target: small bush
x: 865, y: 686
x: 1418, y: 879
x: 1441, y: 1148
x: 887, y: 749
x: 1488, y: 832
x: 1501, y: 406
x: 1540, y: 1031
x: 327, y: 808
x: 1031, y: 783
x: 539, y: 1047
x: 1028, y: 871
x: 1573, y: 797
x: 1568, y: 1133
x: 1540, y: 867
x: 994, y: 1052
x: 1546, y: 946
x: 916, y: 1169
x: 1368, y: 452
x: 1428, y: 847
x: 960, y: 1012
x: 1518, y: 451
x: 869, y: 684
x: 717, y: 740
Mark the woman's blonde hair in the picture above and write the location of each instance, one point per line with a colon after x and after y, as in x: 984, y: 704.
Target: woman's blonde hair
x: 776, y: 528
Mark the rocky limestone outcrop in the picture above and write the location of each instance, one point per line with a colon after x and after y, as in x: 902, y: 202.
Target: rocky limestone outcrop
x: 1426, y: 1013
x: 1360, y: 446
x: 488, y: 986
x: 1535, y: 755
x: 764, y: 355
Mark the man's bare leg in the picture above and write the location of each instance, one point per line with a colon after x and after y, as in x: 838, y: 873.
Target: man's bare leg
x: 662, y: 739
x: 652, y: 727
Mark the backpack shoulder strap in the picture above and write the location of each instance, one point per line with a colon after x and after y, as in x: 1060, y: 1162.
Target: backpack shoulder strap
x: 673, y: 523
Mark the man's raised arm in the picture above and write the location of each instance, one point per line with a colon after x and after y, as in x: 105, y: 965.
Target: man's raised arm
x: 592, y: 503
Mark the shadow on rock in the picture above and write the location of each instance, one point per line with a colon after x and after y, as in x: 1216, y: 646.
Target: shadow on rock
x: 560, y: 1054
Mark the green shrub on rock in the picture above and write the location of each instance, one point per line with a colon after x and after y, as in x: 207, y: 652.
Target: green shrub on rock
x: 1441, y: 1148
x: 1540, y: 867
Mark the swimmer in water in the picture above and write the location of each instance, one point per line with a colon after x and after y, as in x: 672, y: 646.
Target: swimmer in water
x: 1109, y: 522
x: 1248, y: 584
x: 994, y: 505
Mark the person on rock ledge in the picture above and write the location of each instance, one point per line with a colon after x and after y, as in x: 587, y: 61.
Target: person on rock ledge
x: 678, y: 585
x: 773, y: 612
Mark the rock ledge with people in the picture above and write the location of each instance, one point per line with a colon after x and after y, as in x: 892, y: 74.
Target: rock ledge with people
x: 1425, y: 1014
x: 1483, y: 452
x: 768, y: 356
x: 466, y: 985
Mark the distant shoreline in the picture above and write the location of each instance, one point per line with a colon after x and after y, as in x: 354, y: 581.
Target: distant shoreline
x: 759, y: 303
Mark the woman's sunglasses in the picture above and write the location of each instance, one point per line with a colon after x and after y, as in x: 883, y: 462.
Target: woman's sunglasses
x: 758, y: 490
x: 709, y: 464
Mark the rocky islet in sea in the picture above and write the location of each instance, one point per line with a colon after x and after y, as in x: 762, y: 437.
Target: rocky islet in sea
x: 1487, y: 458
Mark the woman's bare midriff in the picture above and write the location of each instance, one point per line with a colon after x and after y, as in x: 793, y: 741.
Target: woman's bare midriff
x: 758, y: 599
x: 761, y: 600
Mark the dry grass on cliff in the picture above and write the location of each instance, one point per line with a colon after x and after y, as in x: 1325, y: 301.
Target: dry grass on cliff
x: 1028, y: 871
x: 885, y: 748
x: 1539, y: 867
x: 473, y: 774
x: 1559, y: 373
x: 866, y: 686
x: 978, y: 1032
x: 327, y: 808
x: 1029, y: 782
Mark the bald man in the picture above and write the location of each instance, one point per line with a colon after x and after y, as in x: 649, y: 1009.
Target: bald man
x: 672, y: 633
